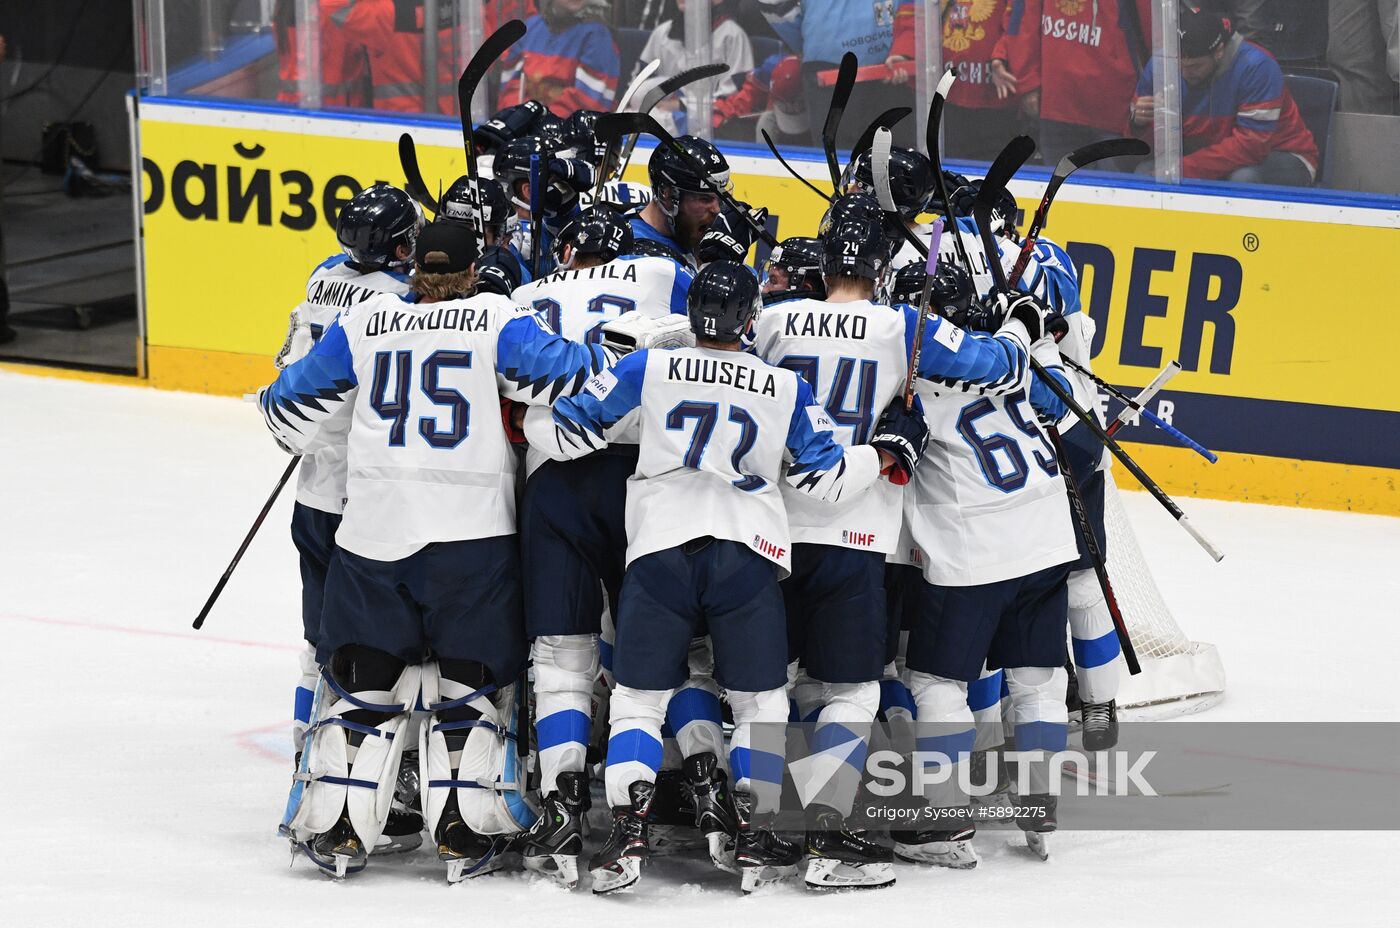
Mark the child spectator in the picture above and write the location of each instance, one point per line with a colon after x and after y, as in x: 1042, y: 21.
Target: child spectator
x: 567, y: 60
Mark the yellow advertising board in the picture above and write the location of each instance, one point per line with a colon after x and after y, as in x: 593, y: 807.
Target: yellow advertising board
x: 1270, y: 307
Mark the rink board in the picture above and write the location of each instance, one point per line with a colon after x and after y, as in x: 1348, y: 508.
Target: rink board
x: 1269, y: 306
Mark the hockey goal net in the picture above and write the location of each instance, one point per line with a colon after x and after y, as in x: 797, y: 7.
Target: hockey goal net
x: 1179, y: 676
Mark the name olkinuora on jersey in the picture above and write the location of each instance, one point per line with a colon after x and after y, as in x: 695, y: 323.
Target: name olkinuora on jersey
x: 427, y: 457
x: 333, y: 286
x: 856, y: 355
x: 714, y: 428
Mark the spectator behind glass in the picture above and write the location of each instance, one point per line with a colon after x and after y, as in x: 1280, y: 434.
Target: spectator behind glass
x: 1076, y: 62
x: 981, y: 116
x: 567, y: 60
x: 391, y: 35
x: 344, y: 73
x: 1363, y: 48
x: 1239, y: 122
x: 728, y: 45
x: 821, y: 31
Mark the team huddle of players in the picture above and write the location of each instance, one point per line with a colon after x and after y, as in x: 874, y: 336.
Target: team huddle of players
x: 675, y: 489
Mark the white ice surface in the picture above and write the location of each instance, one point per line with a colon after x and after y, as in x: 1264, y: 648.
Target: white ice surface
x: 143, y: 765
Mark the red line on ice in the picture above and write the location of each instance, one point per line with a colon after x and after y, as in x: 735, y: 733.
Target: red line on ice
x: 155, y: 632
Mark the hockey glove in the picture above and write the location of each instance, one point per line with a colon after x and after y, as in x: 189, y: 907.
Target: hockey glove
x: 904, y: 436
x: 509, y: 124
x: 1025, y: 309
x: 633, y: 331
x: 577, y: 175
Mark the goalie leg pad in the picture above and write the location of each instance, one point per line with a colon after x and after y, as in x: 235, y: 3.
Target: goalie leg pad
x: 945, y: 734
x: 1098, y: 657
x: 565, y: 667
x: 356, y: 742
x: 302, y: 700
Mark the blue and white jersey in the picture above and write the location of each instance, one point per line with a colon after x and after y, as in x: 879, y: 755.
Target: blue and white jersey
x: 334, y: 286
x: 855, y: 356
x: 641, y: 229
x: 520, y: 248
x: 987, y: 502
x: 428, y: 457
x: 715, y: 428
x: 577, y: 302
x: 627, y: 196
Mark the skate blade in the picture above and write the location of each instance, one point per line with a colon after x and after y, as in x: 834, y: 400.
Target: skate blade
x: 561, y: 868
x: 722, y: 852
x: 955, y: 855
x: 465, y: 868
x: 755, y: 878
x: 1036, y: 842
x: 826, y: 873
x: 338, y: 867
x: 619, y: 877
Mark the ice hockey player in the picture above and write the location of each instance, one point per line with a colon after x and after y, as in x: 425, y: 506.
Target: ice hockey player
x: 498, y: 220
x: 684, y: 204
x: 706, y: 527
x: 423, y: 591
x: 580, y: 134
x: 991, y: 502
x: 573, y: 537
x: 377, y: 231
x: 855, y: 354
x: 793, y: 271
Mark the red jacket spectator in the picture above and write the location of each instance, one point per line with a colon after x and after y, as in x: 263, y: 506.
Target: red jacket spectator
x: 342, y: 61
x: 395, y: 51
x: 565, y: 61
x: 1239, y: 115
x: 972, y: 30
x: 1083, y: 55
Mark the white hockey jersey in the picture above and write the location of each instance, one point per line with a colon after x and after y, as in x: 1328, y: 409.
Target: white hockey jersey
x: 576, y: 303
x: 715, y: 427
x: 987, y: 502
x: 332, y: 287
x: 428, y: 458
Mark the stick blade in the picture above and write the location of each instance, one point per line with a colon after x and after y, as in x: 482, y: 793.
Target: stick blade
x: 491, y: 49
x: 671, y: 84
x: 880, y: 169
x: 1016, y: 153
x: 840, y: 96
x: 935, y: 113
x: 413, y: 177
x: 1108, y: 148
x: 614, y: 126
x: 886, y: 120
x: 638, y: 82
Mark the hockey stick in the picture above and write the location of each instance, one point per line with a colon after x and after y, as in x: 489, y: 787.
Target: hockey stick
x: 992, y: 186
x: 1091, y: 545
x: 880, y: 147
x: 1147, y: 392
x: 408, y: 160
x: 496, y: 45
x: 931, y: 142
x: 661, y: 91
x: 1131, y: 403
x: 617, y: 124
x: 915, y: 352
x: 768, y: 140
x: 1080, y: 157
x: 886, y: 120
x: 537, y: 172
x: 610, y: 153
x: 840, y: 96
x: 247, y: 539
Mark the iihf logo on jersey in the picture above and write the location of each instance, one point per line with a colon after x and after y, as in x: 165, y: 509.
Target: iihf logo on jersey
x: 860, y: 539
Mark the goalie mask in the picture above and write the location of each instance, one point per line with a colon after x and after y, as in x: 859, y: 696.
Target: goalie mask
x: 723, y: 301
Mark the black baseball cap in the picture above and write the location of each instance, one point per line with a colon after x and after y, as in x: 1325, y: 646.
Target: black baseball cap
x: 1201, y: 32
x: 447, y: 248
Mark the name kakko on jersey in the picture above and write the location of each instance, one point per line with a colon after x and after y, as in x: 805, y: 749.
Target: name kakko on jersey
x: 824, y: 325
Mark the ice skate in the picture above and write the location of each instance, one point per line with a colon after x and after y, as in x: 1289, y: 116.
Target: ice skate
x: 714, y: 808
x: 338, y: 852
x: 618, y: 864
x: 841, y: 857
x: 467, y: 853
x: 1037, y: 822
x: 1100, y: 728
x: 671, y: 822
x: 952, y: 849
x: 553, y: 846
x: 762, y: 856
